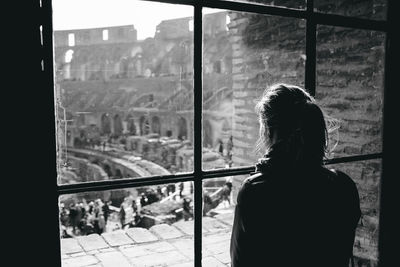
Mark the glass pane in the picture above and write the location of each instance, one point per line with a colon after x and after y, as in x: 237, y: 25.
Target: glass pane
x: 129, y: 227
x: 243, y: 54
x: 350, y: 68
x: 367, y: 175
x: 124, y: 83
x: 366, y: 9
x: 219, y: 200
x: 296, y: 4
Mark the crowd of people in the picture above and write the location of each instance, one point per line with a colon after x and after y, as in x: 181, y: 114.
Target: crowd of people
x: 84, y: 218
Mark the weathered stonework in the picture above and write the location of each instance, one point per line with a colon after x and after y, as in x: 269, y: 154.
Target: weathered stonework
x: 141, y: 247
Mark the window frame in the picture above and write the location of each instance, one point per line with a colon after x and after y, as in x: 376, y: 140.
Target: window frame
x: 198, y: 175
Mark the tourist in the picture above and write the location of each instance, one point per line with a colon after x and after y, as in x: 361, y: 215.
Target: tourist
x: 122, y: 215
x: 73, y: 217
x: 293, y: 211
x: 88, y: 227
x: 101, y: 223
x: 143, y: 200
x: 226, y: 192
x: 134, y: 206
x: 91, y: 207
x: 106, y: 210
x: 187, y: 213
x: 220, y: 147
x: 64, y: 215
x: 181, y: 187
x: 229, y: 148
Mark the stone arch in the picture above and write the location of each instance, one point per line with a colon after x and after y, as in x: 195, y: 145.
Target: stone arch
x: 118, y: 174
x: 144, y: 125
x: 207, y: 134
x: 182, y: 128
x: 105, y: 124
x: 130, y: 126
x: 118, y: 128
x: 156, y: 125
x: 107, y: 170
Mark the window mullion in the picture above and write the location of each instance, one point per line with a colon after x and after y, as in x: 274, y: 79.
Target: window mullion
x: 45, y: 13
x: 198, y: 102
x: 311, y: 32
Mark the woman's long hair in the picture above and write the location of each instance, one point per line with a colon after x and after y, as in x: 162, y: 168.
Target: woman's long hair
x: 293, y: 113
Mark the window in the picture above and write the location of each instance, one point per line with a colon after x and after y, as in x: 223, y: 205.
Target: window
x: 71, y: 39
x: 105, y: 35
x: 178, y: 149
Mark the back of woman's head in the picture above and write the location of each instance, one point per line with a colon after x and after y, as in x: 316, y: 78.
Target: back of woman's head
x: 292, y: 114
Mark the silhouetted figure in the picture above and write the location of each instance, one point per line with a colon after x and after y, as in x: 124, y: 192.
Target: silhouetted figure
x: 143, y: 200
x: 220, y: 147
x: 229, y: 148
x: 106, y: 211
x: 122, y: 215
x: 181, y: 186
x: 187, y: 213
x: 293, y: 211
x: 226, y: 192
x: 73, y: 217
x: 134, y: 206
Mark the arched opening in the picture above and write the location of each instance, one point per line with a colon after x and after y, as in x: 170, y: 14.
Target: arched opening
x: 68, y: 56
x: 117, y: 125
x: 144, y: 125
x: 80, y: 120
x: 105, y: 124
x: 207, y: 134
x: 131, y: 128
x: 182, y: 128
x: 107, y: 169
x: 118, y: 174
x: 156, y: 125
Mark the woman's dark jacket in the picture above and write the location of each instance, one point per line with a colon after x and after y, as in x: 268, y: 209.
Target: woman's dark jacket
x: 295, y: 216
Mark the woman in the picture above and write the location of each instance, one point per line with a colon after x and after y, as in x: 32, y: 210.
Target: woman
x: 293, y: 211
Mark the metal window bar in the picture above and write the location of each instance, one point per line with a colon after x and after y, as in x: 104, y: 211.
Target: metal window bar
x: 311, y: 48
x: 389, y: 198
x: 155, y: 180
x: 197, y: 148
x: 313, y: 19
x: 318, y: 17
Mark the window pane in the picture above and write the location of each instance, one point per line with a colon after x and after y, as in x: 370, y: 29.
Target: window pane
x: 125, y: 98
x: 219, y: 200
x: 129, y: 227
x: 366, y: 175
x: 350, y: 67
x: 243, y: 53
x: 367, y: 9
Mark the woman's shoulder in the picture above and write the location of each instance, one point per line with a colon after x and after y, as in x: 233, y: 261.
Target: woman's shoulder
x: 339, y: 177
x: 343, y: 183
x: 250, y: 185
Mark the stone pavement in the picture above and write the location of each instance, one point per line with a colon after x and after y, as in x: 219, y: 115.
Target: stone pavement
x: 161, y: 245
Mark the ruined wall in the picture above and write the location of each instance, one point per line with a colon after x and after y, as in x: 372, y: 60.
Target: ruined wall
x: 119, y: 34
x: 349, y: 88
